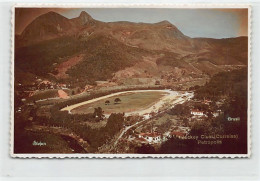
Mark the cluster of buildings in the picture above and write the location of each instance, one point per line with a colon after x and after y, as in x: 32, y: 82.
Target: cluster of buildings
x: 197, y: 113
x: 45, y: 84
x: 29, y: 90
x: 40, y: 84
x: 180, y: 132
x: 157, y: 138
x: 153, y: 137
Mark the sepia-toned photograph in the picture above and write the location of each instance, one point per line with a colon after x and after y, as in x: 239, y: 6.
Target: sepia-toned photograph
x: 131, y: 81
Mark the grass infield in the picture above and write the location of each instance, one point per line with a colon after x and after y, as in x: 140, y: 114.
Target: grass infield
x: 129, y: 102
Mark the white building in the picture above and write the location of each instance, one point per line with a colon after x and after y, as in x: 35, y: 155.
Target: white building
x: 151, y: 137
x: 217, y: 113
x: 197, y: 112
x: 147, y: 116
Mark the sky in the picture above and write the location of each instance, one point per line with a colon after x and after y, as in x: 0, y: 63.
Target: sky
x: 209, y: 23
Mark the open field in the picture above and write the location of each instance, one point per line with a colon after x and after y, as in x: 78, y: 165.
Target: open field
x: 130, y: 102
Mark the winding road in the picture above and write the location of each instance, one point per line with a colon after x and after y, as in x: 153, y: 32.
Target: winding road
x: 183, y: 98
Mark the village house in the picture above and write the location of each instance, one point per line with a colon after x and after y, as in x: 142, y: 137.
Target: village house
x: 151, y: 137
x: 220, y: 102
x: 184, y: 129
x: 178, y: 134
x: 139, y: 140
x: 62, y: 86
x: 166, y: 135
x: 87, y: 88
x: 207, y: 102
x: 147, y: 116
x: 197, y: 112
x: 45, y: 84
x: 19, y: 110
x: 217, y: 113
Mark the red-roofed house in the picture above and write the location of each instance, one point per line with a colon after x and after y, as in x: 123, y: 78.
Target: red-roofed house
x: 141, y: 140
x: 177, y: 134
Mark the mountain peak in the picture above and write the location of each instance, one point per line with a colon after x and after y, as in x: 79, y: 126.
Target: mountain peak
x: 50, y: 14
x: 46, y: 26
x: 165, y: 22
x: 83, y: 14
x: 84, y: 17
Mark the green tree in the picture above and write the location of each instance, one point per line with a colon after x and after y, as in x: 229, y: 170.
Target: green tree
x: 117, y: 100
x: 115, y: 123
x: 179, y: 109
x: 98, y: 112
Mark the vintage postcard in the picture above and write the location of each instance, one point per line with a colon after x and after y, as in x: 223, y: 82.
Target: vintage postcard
x: 138, y: 81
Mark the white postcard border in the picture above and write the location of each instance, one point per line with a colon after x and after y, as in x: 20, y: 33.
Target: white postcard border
x: 120, y: 5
